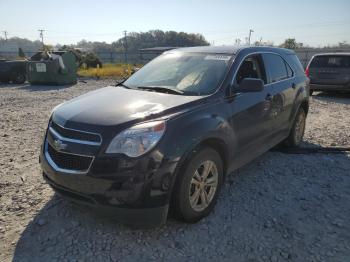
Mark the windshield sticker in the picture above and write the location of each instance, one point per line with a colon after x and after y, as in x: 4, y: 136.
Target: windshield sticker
x: 217, y: 57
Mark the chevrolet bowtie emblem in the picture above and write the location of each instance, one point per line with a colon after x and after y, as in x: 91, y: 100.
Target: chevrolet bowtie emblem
x: 59, y: 145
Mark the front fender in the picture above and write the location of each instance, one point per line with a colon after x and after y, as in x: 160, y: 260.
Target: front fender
x: 188, y: 131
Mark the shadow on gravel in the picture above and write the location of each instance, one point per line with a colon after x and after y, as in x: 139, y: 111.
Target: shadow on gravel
x: 280, y: 207
x: 341, y: 98
x: 34, y: 88
x: 310, y: 148
x: 8, y: 85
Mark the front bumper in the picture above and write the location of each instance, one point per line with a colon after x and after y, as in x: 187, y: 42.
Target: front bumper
x: 130, y: 216
x: 137, y: 192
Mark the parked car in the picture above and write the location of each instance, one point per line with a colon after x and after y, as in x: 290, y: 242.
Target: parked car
x: 329, y: 72
x: 169, y: 134
x: 12, y: 71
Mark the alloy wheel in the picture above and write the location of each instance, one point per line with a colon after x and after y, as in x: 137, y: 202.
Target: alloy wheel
x: 203, y: 186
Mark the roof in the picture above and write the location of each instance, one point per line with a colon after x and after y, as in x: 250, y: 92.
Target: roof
x: 232, y: 49
x: 333, y: 53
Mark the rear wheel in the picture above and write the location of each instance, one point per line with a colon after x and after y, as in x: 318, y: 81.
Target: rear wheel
x: 198, y: 186
x: 297, y: 132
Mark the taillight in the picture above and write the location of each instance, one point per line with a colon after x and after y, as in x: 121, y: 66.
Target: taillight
x: 307, y: 72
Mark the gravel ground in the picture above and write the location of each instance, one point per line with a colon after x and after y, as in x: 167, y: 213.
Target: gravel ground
x: 280, y: 207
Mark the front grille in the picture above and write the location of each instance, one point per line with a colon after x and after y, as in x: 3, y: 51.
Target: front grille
x: 69, y: 161
x: 74, y: 134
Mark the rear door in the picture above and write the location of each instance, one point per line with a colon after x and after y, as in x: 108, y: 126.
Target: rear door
x: 330, y: 70
x: 280, y: 79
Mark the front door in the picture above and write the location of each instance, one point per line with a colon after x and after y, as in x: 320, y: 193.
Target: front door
x: 251, y: 111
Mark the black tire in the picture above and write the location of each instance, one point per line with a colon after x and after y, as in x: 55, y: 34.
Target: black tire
x: 297, y: 131
x: 182, y: 207
x: 18, y: 78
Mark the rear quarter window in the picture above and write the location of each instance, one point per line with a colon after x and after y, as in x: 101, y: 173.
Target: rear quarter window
x: 294, y: 61
x: 331, y: 61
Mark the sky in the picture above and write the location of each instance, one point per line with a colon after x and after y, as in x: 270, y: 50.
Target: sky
x: 313, y: 22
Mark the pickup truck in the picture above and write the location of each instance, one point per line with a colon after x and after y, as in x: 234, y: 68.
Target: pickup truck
x: 12, y: 71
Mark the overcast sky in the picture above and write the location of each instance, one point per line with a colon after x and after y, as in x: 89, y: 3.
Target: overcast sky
x: 314, y: 23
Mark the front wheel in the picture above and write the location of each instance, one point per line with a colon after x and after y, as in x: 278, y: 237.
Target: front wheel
x: 297, y: 131
x: 198, y: 186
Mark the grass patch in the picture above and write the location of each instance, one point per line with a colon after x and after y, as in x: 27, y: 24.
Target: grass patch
x: 116, y: 71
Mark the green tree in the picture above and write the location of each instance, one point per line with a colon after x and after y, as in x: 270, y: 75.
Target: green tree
x: 291, y: 43
x: 158, y: 38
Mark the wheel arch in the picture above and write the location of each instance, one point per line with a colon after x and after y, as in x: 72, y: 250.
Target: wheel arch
x: 216, y: 144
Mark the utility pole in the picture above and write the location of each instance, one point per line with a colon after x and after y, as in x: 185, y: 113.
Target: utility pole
x: 237, y: 42
x: 5, y: 34
x: 42, y: 35
x: 250, y: 34
x: 125, y: 47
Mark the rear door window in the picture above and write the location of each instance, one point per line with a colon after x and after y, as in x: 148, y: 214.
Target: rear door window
x: 276, y: 67
x: 331, y: 61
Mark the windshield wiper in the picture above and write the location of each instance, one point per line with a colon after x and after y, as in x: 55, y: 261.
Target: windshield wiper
x: 121, y: 83
x: 161, y: 89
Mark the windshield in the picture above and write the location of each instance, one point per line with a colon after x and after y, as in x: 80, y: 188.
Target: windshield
x: 187, y: 73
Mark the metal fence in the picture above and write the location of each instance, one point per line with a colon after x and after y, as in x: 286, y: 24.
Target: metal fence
x: 304, y: 55
x: 105, y: 57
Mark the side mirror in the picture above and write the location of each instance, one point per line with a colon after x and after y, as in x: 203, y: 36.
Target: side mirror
x: 248, y: 85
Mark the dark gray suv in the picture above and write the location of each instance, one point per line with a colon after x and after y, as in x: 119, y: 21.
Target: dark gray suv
x: 329, y: 72
x: 167, y: 136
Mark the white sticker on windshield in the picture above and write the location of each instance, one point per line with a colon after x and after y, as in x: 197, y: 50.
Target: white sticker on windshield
x: 217, y: 57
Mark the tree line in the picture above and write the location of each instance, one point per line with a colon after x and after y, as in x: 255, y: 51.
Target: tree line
x: 133, y: 42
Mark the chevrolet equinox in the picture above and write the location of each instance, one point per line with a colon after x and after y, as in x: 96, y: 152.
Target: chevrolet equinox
x: 168, y: 135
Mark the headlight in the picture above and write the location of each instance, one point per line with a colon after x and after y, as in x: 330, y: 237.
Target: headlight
x: 138, y: 139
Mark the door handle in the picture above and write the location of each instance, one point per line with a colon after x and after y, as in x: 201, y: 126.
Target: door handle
x: 268, y: 97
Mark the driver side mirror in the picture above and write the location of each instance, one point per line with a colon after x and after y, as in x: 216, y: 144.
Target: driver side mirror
x: 248, y: 85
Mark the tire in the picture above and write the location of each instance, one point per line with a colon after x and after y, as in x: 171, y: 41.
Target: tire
x: 297, y: 131
x: 18, y: 78
x: 190, y: 185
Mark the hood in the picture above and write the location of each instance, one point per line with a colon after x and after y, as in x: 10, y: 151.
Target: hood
x: 117, y: 105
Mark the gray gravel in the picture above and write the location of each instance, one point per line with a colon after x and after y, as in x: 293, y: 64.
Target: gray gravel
x: 281, y: 207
